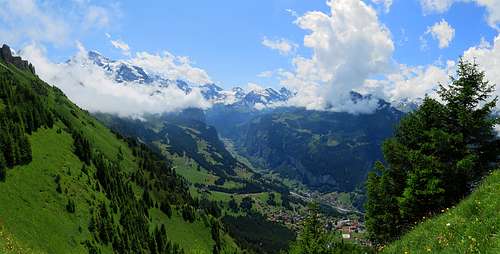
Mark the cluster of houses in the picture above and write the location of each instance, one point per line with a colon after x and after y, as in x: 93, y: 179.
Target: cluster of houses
x: 287, y: 218
x: 347, y: 227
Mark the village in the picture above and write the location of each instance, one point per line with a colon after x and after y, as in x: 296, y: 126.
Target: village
x: 349, y: 229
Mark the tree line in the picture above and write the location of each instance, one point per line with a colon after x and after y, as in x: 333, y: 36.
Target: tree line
x: 22, y: 111
x: 437, y: 156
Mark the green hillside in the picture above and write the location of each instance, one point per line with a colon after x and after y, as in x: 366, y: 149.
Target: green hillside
x: 299, y: 144
x: 216, y: 175
x: 70, y: 185
x: 473, y: 226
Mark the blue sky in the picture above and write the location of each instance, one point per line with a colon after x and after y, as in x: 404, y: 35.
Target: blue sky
x: 225, y: 38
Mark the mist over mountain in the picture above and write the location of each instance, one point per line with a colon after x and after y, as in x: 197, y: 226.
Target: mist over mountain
x: 136, y: 86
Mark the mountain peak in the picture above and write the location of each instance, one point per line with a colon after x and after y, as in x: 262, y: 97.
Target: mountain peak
x: 6, y: 55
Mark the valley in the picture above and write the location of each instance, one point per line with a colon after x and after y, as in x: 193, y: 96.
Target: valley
x: 358, y: 128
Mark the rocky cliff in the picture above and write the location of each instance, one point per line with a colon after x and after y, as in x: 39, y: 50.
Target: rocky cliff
x: 6, y: 55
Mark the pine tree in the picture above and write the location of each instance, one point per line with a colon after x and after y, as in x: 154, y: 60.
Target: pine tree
x: 436, y: 155
x: 3, y: 168
x: 469, y: 107
x: 312, y: 239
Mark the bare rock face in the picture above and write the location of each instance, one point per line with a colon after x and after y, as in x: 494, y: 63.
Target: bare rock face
x: 6, y: 55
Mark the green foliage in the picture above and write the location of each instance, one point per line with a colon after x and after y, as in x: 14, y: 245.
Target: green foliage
x: 437, y: 154
x: 23, y: 111
x: 82, y: 147
x: 70, y: 206
x: 3, y: 168
x: 255, y: 233
x: 291, y: 141
x: 314, y: 239
x: 271, y: 199
x: 106, y: 184
x: 188, y: 213
x: 166, y: 209
x: 246, y: 204
x: 233, y: 206
x: 470, y: 227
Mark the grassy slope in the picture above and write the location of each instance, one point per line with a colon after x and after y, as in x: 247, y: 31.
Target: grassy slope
x: 473, y: 226
x: 188, y: 169
x: 190, y: 236
x: 33, y: 216
x: 31, y: 208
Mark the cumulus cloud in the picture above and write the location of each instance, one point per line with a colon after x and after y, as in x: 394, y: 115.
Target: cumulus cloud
x: 91, y: 88
x: 386, y: 3
x: 349, y: 45
x: 283, y: 46
x: 24, y: 21
x: 415, y: 82
x: 124, y: 47
x: 439, y: 6
x: 442, y: 32
x: 411, y: 82
x: 487, y: 55
x: 171, y: 66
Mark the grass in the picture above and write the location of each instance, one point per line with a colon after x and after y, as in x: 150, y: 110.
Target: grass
x: 473, y: 226
x: 10, y: 245
x: 33, y: 214
x: 187, y: 168
x: 192, y: 237
x: 30, y: 207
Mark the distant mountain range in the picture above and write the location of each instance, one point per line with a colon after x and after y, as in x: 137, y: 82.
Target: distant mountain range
x: 123, y: 71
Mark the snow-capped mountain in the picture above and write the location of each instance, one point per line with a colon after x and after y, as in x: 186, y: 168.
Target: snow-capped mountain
x: 407, y: 104
x: 261, y: 97
x: 125, y: 72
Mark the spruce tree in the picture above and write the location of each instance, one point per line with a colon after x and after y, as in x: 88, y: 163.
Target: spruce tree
x: 3, y: 168
x: 436, y: 156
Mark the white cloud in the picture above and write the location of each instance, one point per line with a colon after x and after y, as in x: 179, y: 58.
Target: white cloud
x: 488, y: 57
x: 292, y: 12
x: 265, y: 74
x: 124, y: 47
x: 171, y: 67
x: 386, y: 3
x: 442, y: 32
x: 416, y: 82
x: 439, y: 6
x: 96, y: 16
x: 91, y: 88
x: 283, y: 46
x: 411, y: 82
x: 25, y: 21
x: 493, y: 9
x: 254, y: 87
x: 349, y: 45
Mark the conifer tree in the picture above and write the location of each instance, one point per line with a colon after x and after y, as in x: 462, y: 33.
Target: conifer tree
x: 437, y: 154
x: 3, y: 168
